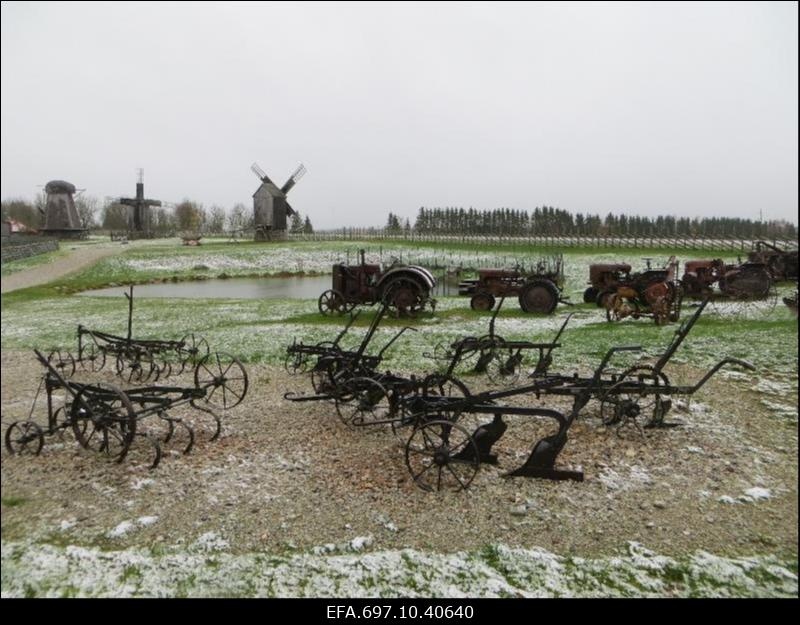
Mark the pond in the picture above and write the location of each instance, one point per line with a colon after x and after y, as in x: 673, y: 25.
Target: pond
x: 293, y: 287
x: 233, y: 288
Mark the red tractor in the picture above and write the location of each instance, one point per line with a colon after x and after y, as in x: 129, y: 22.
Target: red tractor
x: 652, y: 293
x: 406, y: 288
x: 539, y: 290
x: 743, y: 282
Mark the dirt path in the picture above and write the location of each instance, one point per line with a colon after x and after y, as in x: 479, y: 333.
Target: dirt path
x: 75, y: 260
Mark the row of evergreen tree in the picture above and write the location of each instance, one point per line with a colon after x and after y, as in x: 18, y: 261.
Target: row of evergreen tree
x: 549, y: 221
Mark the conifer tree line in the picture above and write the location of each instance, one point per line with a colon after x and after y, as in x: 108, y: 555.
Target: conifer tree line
x: 549, y: 221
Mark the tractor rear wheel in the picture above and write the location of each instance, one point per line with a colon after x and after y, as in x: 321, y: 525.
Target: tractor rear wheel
x: 406, y: 296
x: 539, y: 296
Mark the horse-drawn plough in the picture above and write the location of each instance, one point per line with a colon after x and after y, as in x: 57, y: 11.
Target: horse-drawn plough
x: 443, y: 452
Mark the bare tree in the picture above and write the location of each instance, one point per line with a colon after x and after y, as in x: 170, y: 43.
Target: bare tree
x: 239, y: 218
x: 215, y: 221
x: 86, y: 205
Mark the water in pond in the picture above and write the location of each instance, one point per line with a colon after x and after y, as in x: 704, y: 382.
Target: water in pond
x: 239, y: 288
x: 233, y: 288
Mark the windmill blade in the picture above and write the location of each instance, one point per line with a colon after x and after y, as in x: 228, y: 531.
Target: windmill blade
x: 298, y: 173
x: 260, y: 173
x: 289, y: 210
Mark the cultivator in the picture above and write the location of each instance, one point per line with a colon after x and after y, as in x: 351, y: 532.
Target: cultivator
x: 134, y: 360
x: 444, y: 451
x: 106, y: 419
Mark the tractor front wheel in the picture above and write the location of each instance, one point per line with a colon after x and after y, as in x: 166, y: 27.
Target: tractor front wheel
x: 331, y: 302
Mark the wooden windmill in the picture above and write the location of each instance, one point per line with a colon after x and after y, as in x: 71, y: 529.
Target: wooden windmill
x: 270, y: 207
x: 139, y: 222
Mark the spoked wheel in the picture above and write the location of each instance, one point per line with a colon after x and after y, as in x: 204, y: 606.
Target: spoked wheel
x: 103, y: 420
x: 405, y: 297
x: 224, y: 378
x: 624, y: 403
x: 439, y: 390
x: 364, y: 401
x: 24, y: 438
x: 194, y: 349
x: 63, y: 362
x: 468, y: 357
x: 441, y: 455
x: 332, y: 302
x: 504, y: 367
x: 92, y: 358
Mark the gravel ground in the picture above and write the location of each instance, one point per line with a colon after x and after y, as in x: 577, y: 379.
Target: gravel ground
x: 287, y: 476
x: 78, y: 258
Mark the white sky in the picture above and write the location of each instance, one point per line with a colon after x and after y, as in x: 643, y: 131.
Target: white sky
x: 687, y: 109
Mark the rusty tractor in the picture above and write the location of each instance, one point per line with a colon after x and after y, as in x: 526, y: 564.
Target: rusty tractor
x: 744, y: 281
x: 652, y: 293
x: 781, y: 263
x: 538, y: 290
x: 406, y: 288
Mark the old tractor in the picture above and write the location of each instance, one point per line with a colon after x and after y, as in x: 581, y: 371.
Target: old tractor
x: 406, y: 288
x: 538, y: 289
x: 749, y: 287
x: 652, y: 293
x: 781, y: 264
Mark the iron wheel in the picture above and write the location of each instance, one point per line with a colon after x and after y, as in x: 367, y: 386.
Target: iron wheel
x: 441, y: 455
x: 24, y: 438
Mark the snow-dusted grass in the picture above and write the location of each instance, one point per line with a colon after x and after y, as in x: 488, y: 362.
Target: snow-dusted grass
x: 259, y: 331
x: 166, y: 261
x: 206, y: 569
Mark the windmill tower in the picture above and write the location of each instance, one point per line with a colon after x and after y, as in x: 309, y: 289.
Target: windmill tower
x: 60, y: 215
x: 139, y: 217
x: 270, y: 207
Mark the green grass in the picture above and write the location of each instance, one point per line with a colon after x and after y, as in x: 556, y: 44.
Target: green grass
x: 13, y: 502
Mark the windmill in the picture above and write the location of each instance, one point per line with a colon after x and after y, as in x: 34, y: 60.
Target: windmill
x: 270, y: 207
x: 60, y: 215
x: 139, y: 217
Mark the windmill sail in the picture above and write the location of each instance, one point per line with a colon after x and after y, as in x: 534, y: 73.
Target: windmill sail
x: 298, y: 173
x: 262, y: 176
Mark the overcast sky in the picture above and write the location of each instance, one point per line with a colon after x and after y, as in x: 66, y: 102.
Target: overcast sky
x: 639, y: 108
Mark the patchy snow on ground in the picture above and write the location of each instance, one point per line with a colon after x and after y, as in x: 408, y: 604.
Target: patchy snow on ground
x: 43, y: 570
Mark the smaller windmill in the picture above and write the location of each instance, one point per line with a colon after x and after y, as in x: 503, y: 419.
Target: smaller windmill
x: 270, y: 207
x: 139, y: 222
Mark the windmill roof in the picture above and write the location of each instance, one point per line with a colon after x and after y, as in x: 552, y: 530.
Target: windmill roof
x: 271, y: 189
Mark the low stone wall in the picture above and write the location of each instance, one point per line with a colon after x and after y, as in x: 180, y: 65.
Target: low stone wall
x: 16, y: 247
